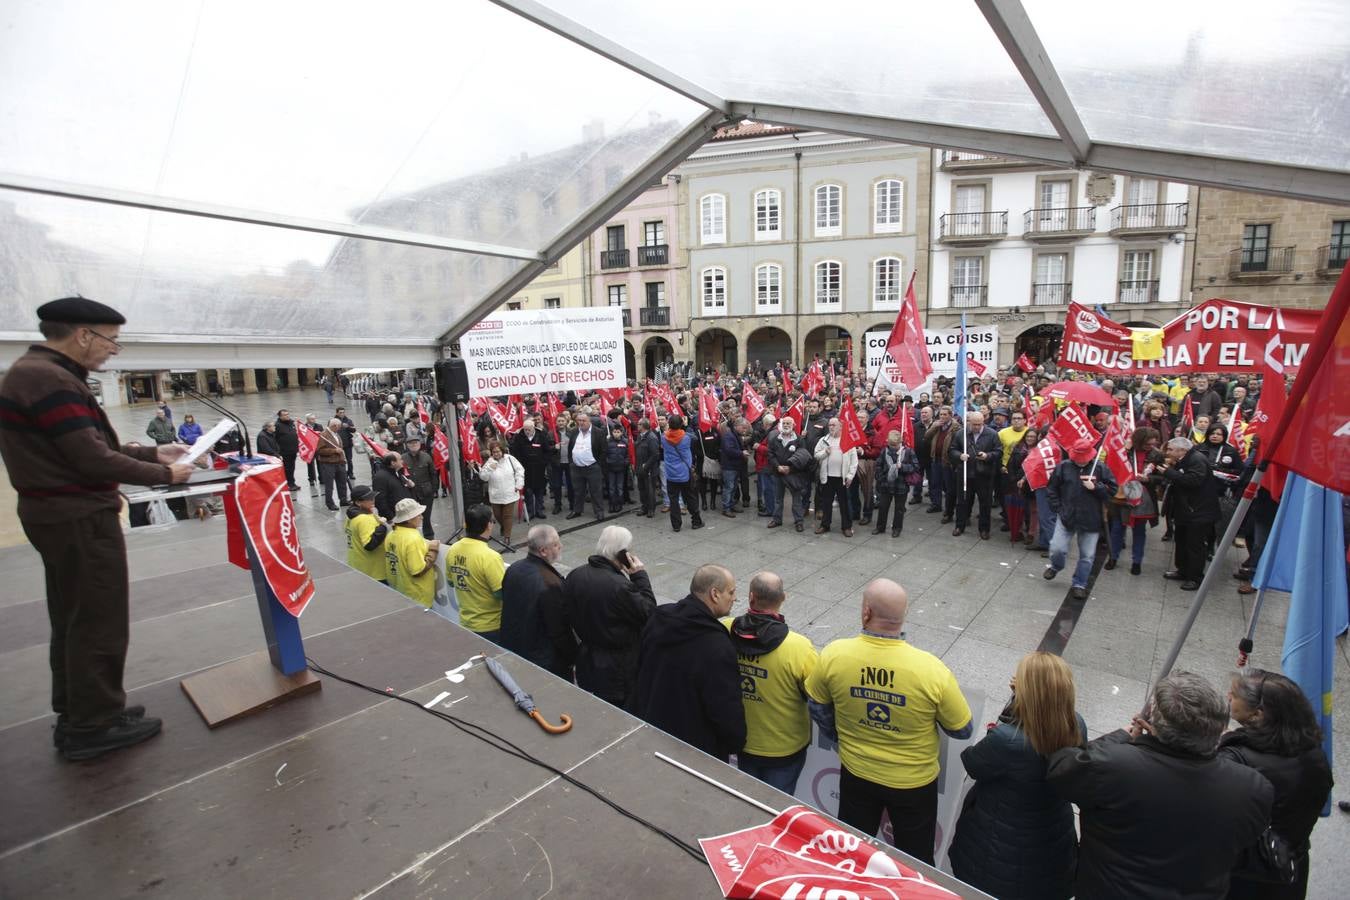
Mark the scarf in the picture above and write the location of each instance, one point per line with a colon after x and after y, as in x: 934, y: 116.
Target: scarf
x: 675, y: 435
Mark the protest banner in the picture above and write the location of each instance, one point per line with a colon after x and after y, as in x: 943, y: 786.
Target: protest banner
x: 1216, y: 336
x: 981, y: 348
x: 1073, y: 426
x: 266, y: 512
x: 545, y: 350
x: 1041, y: 463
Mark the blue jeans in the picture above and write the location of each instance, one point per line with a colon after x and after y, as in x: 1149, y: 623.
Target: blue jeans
x: 780, y: 772
x: 768, y: 491
x: 1087, y: 549
x: 731, y: 481
x: 1046, y: 518
x: 1139, y: 534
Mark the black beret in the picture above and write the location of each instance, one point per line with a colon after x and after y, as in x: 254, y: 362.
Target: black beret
x: 363, y: 492
x: 79, y: 311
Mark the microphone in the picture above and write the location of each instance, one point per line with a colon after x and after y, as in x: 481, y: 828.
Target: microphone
x: 181, y: 385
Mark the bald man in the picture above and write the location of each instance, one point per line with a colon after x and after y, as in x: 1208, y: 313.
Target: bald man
x: 688, y: 684
x: 883, y: 700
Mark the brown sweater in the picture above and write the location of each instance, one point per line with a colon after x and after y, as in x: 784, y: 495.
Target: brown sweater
x: 330, y: 449
x: 62, y: 454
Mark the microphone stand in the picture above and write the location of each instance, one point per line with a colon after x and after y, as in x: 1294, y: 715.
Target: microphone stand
x: 248, y: 457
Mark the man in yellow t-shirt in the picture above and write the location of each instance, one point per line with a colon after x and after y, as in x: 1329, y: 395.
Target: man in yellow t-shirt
x: 475, y: 571
x: 1011, y: 436
x: 366, y: 532
x: 408, y: 556
x: 774, y: 665
x: 885, y: 701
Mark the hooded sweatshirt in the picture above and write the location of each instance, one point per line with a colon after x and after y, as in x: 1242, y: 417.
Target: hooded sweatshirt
x: 774, y: 662
x: 688, y: 684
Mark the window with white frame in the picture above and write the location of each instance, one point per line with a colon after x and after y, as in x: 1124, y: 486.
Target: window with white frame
x: 829, y: 278
x: 712, y: 212
x: 886, y: 275
x: 618, y: 295
x: 714, y: 279
x: 889, y: 206
x: 768, y: 205
x: 829, y: 210
x: 768, y: 288
x: 552, y: 303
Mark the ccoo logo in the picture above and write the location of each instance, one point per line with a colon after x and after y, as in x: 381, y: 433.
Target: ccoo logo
x: 1087, y: 322
x: 280, y: 537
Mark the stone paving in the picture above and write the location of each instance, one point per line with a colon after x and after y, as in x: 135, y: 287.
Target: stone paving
x: 979, y: 605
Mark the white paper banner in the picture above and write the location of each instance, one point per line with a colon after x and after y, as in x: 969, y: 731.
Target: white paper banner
x: 981, y: 343
x: 545, y: 350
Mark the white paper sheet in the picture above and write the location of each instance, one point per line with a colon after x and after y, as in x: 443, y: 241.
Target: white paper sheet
x: 208, y: 440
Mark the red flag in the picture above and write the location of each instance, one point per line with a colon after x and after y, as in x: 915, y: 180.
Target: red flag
x: 309, y: 443
x: 1269, y: 410
x: 787, y: 380
x: 649, y: 410
x: 605, y: 405
x: 1318, y: 408
x: 268, y: 516
x: 976, y: 366
x: 1072, y: 426
x: 1027, y: 411
x: 907, y: 426
x: 440, y: 450
x: 517, y: 418
x: 708, y: 416
x: 813, y: 382
x: 478, y: 405
x: 1041, y: 463
x: 374, y: 447
x: 795, y: 412
x: 1237, y: 433
x: 851, y: 433
x: 1025, y: 364
x: 1117, y: 451
x: 468, y: 443
x: 422, y: 415
x: 1045, y: 415
x: 752, y: 402
x: 906, y: 344
x: 500, y: 418
x: 1187, y: 414
x: 849, y: 364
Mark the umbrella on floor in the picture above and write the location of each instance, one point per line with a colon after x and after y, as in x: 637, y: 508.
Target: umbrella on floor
x: 524, y: 700
x: 1080, y: 391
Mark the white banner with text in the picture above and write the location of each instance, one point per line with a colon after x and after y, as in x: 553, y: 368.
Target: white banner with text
x: 532, y: 351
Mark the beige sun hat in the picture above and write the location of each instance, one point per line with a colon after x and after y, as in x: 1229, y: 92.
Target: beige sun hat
x: 406, y: 509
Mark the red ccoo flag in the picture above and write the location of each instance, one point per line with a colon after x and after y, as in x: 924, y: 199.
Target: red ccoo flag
x: 1041, y: 463
x: 1025, y: 364
x: 422, y: 415
x: 813, y: 381
x: 1187, y: 414
x: 752, y: 402
x: 976, y: 366
x: 795, y: 412
x: 851, y: 432
x: 468, y: 444
x: 440, y: 450
x: 907, y: 426
x: 374, y: 447
x: 309, y: 443
x: 787, y: 380
x: 1117, y: 451
x: 906, y: 343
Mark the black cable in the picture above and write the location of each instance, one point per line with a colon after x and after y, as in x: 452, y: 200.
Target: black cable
x: 497, y: 742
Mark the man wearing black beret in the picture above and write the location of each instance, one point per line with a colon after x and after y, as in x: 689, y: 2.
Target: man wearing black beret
x: 66, y: 463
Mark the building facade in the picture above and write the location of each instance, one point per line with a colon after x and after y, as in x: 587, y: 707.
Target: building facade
x: 1014, y: 242
x: 798, y: 242
x: 564, y: 285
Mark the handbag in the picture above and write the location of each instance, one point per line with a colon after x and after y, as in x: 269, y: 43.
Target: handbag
x: 711, y: 468
x: 1270, y: 860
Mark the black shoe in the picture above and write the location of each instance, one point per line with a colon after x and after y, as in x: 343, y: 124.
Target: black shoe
x: 1004, y: 527
x: 1050, y: 573
x: 984, y: 535
x: 574, y: 515
x: 800, y: 527
x: 915, y: 501
x: 1110, y: 564
x: 557, y: 509
x: 333, y: 507
x: 1190, y: 586
x: 125, y: 732
x: 958, y: 531
x: 1078, y: 593
x: 1173, y: 575
x: 540, y: 515
x: 675, y: 528
x: 933, y: 509
x: 775, y: 525
x: 697, y: 525
x: 946, y: 519
x: 61, y: 729
x: 865, y: 520
x: 895, y: 532
x: 1135, y: 568
x: 880, y: 529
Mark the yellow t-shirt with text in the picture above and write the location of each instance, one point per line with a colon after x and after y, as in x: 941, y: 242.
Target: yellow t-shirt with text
x: 777, y: 721
x: 888, y: 699
x: 405, y: 553
x: 367, y: 562
x: 475, y: 571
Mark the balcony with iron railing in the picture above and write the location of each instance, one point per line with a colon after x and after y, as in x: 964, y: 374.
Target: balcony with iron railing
x: 654, y: 255
x: 1059, y: 223
x: 654, y: 316
x: 1148, y: 219
x: 965, y: 161
x: 1051, y: 294
x: 1332, y: 258
x: 1138, y: 292
x: 1260, y: 262
x: 828, y: 298
x: 972, y: 227
x: 614, y: 259
x: 968, y: 296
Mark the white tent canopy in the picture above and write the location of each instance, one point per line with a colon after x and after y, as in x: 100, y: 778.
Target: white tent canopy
x: 259, y: 183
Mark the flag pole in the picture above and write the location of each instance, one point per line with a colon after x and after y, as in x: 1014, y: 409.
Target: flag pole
x: 1247, y: 643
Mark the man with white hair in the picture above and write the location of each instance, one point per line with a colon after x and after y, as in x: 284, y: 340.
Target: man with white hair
x: 607, y: 602
x: 534, y: 622
x: 790, y: 461
x: 332, y: 462
x: 1193, y: 503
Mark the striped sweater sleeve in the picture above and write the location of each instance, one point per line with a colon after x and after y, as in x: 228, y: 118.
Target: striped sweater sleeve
x: 75, y: 428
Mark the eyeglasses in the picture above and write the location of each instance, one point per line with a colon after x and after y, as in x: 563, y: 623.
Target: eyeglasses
x: 104, y: 337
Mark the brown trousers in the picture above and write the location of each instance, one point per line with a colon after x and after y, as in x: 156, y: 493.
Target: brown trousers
x: 505, y: 514
x: 87, y: 603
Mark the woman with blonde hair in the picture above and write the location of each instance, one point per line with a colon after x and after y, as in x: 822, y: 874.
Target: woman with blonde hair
x: 1015, y: 837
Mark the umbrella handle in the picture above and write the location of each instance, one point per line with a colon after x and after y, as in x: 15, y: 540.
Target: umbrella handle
x: 565, y: 727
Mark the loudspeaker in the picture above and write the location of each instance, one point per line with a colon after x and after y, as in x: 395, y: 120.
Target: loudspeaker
x: 452, y: 380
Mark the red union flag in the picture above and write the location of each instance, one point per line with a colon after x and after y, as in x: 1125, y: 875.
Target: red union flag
x: 478, y: 405
x: 309, y: 443
x: 851, y: 433
x: 1117, y: 452
x: 753, y: 402
x: 906, y: 344
x: 976, y: 366
x: 795, y: 412
x: 800, y: 854
x: 265, y: 509
x: 1025, y: 364
x: 374, y: 447
x: 1072, y: 426
x: 813, y: 381
x: 440, y: 449
x: 501, y: 419
x: 1041, y: 463
x: 422, y: 415
x: 468, y: 443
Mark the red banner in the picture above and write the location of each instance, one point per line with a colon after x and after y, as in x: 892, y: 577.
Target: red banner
x: 800, y: 854
x: 976, y: 366
x: 422, y: 415
x: 500, y: 417
x: 309, y: 443
x: 813, y: 382
x: 468, y: 443
x: 851, y: 433
x: 235, y: 549
x: 753, y: 402
x: 1216, y: 336
x: 374, y: 447
x: 1073, y: 426
x: 265, y: 508
x: 787, y: 381
x: 478, y: 405
x: 795, y: 412
x: 1025, y: 364
x: 906, y: 344
x: 1117, y: 452
x: 1041, y: 463
x: 440, y: 450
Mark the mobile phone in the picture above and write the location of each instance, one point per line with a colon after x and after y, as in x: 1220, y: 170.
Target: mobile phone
x: 625, y: 560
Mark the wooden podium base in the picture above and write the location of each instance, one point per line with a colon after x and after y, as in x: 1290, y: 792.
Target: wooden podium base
x: 245, y: 686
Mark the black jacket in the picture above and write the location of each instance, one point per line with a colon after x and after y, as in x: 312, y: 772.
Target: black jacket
x: 648, y: 452
x: 987, y: 443
x: 892, y: 467
x: 423, y: 473
x: 348, y: 434
x: 534, y: 454
x: 390, y: 488
x: 1015, y: 838
x: 688, y: 683
x: 1301, y: 784
x: 1206, y: 404
x: 1158, y: 822
x: 267, y: 443
x: 597, y: 444
x: 534, y: 624
x: 1071, y: 502
x: 287, y: 439
x: 792, y: 454
x: 1192, y: 490
x: 607, y: 611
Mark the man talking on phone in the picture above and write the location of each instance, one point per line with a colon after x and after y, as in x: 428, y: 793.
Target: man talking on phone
x: 1077, y: 490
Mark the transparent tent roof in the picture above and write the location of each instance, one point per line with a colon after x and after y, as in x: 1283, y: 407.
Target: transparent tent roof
x: 252, y: 179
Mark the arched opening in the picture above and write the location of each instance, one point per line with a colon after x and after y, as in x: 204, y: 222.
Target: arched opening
x: 830, y: 342
x: 716, y: 348
x: 1040, y: 343
x: 629, y: 361
x: 768, y: 346
x: 1140, y: 324
x: 656, y: 352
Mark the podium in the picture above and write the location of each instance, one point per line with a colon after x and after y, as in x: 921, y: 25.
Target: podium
x: 261, y: 680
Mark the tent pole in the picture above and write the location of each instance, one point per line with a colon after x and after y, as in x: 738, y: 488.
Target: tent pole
x: 450, y: 419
